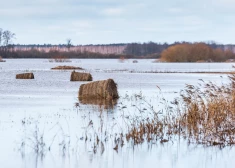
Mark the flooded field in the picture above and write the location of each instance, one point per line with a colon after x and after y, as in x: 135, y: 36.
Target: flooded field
x: 43, y: 124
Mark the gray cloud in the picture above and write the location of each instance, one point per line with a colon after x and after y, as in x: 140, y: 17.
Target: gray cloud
x: 111, y: 21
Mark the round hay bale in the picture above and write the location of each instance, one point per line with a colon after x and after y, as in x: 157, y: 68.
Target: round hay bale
x: 105, y: 89
x: 25, y: 76
x: 79, y: 76
x: 66, y: 68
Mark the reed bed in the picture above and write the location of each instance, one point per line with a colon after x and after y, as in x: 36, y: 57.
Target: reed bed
x: 79, y: 76
x: 204, y: 114
x: 208, y: 116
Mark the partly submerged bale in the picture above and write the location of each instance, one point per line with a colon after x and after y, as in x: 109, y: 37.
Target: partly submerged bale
x: 105, y: 89
x: 66, y: 68
x: 25, y: 76
x: 79, y: 76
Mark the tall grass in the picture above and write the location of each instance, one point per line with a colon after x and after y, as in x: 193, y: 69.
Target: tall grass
x: 208, y: 114
x: 203, y: 114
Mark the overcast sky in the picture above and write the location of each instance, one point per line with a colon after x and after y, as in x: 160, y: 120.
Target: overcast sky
x: 118, y: 21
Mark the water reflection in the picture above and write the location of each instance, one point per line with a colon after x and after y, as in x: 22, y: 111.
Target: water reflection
x: 101, y: 103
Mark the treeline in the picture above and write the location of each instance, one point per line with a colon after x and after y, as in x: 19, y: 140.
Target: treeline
x: 62, y: 45
x: 175, y: 52
x: 145, y: 49
x: 151, y: 48
x: 196, y: 52
x: 33, y: 53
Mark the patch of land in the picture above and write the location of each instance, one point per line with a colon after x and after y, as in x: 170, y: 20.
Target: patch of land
x: 66, y: 68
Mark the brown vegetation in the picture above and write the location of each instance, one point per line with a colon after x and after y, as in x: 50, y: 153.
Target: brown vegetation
x: 1, y: 60
x: 122, y: 59
x: 209, y: 114
x: 105, y: 89
x: 204, y: 114
x: 66, y: 68
x: 25, y: 76
x: 79, y: 76
x: 195, y: 52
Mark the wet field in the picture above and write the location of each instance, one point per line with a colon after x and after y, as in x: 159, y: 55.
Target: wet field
x: 43, y: 124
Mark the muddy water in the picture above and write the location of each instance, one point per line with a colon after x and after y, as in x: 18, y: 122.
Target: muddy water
x: 40, y: 125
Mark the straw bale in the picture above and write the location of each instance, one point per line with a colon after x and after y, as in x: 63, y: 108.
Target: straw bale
x: 79, y: 76
x: 105, y: 89
x: 25, y: 76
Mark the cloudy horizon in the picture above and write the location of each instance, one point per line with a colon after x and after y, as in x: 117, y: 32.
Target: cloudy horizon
x: 108, y: 21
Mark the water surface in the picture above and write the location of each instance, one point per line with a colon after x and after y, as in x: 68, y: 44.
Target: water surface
x: 45, y: 107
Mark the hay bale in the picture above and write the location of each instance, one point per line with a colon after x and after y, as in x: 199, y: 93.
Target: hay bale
x: 105, y: 89
x: 25, y: 76
x: 79, y: 76
x: 66, y: 68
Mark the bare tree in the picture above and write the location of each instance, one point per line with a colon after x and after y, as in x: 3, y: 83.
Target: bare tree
x: 1, y: 31
x: 7, y: 37
x: 69, y: 43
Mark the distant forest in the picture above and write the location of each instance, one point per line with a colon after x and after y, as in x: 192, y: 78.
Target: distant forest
x: 123, y: 50
x: 130, y: 50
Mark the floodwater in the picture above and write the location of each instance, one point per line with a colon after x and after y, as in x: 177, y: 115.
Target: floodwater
x: 43, y: 124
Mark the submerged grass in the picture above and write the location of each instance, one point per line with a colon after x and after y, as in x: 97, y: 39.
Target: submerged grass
x: 203, y: 114
x: 208, y: 114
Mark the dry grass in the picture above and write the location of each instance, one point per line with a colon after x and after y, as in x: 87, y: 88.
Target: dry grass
x: 79, y: 76
x: 204, y: 114
x: 66, y: 68
x: 105, y: 89
x: 1, y: 60
x: 208, y: 115
x: 25, y: 76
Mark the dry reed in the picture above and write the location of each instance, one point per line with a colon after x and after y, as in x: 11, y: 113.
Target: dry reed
x: 204, y: 114
x: 208, y: 116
